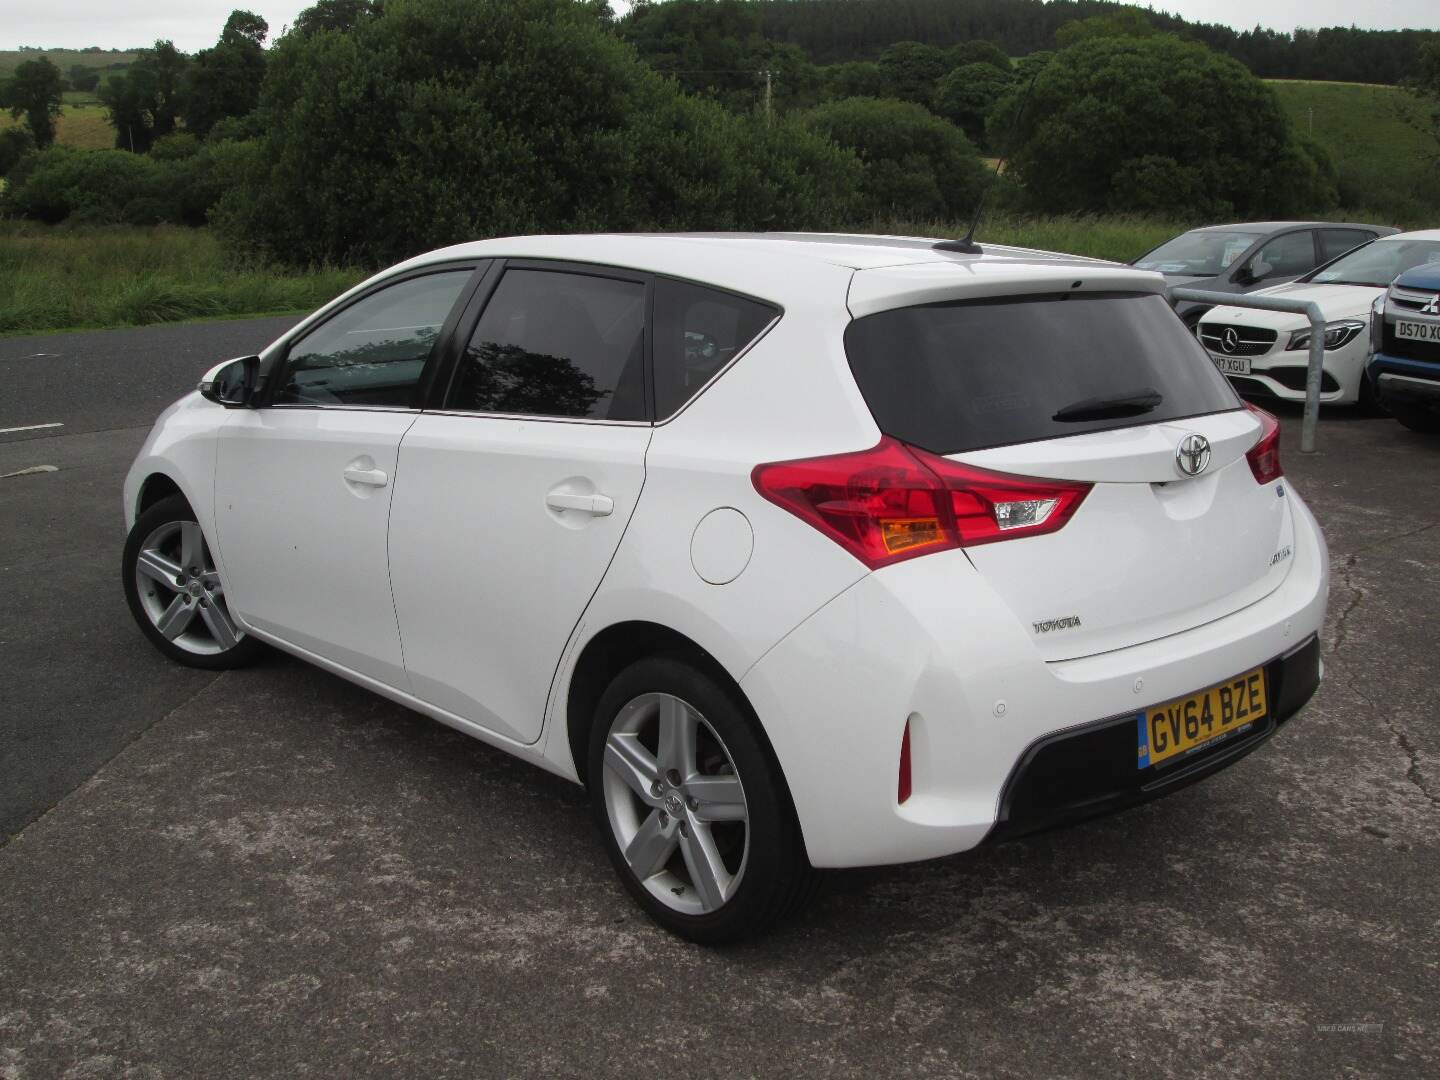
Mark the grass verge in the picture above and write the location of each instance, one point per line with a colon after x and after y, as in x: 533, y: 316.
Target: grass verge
x: 73, y: 278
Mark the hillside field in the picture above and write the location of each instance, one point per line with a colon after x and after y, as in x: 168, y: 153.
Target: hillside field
x: 1383, y: 161
x: 81, y: 125
x: 65, y: 59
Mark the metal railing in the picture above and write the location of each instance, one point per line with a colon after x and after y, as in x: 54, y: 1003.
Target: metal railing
x: 1311, y: 311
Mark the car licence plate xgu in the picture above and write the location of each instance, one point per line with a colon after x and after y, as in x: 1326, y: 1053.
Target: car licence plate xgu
x: 1177, y: 728
x: 1232, y: 365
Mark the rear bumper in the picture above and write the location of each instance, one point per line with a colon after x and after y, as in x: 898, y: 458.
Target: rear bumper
x: 929, y: 644
x: 1089, y: 771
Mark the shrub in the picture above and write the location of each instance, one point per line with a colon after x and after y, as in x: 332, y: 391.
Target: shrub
x: 967, y: 94
x: 52, y: 184
x: 916, y: 164
x: 1114, y: 118
x: 15, y: 143
x: 175, y: 147
x: 441, y: 120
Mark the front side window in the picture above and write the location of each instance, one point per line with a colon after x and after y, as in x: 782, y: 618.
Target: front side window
x: 697, y: 332
x: 373, y: 352
x: 552, y: 343
x: 1285, y: 256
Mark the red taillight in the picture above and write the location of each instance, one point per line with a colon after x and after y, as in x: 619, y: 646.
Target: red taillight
x: 894, y: 502
x: 1264, y: 456
x: 904, y: 788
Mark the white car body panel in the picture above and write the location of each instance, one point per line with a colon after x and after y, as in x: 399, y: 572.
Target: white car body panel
x: 305, y: 546
x: 1345, y: 365
x: 488, y: 579
x: 833, y: 658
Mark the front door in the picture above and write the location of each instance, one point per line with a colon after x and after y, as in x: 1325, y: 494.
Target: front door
x: 303, y: 484
x: 513, y: 497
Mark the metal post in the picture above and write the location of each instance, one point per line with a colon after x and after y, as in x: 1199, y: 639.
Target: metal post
x: 1311, y: 311
x: 767, y: 97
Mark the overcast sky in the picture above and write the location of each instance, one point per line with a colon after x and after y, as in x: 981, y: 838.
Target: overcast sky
x: 195, y: 24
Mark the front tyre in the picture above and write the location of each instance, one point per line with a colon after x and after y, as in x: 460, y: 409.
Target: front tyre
x: 174, y: 591
x: 692, y: 805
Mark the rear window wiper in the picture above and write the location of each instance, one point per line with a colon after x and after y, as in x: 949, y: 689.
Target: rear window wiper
x: 1114, y: 407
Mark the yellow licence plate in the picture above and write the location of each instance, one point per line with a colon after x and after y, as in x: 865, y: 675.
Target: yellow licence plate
x: 1178, y: 727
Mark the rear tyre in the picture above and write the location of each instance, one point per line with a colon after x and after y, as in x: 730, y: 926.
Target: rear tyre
x: 694, y: 811
x: 174, y: 591
x: 1417, y: 419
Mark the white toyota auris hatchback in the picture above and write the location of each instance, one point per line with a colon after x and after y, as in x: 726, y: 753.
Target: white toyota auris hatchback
x: 797, y: 551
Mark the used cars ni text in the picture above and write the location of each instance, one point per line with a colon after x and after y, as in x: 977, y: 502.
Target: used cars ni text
x: 1266, y: 353
x: 798, y: 551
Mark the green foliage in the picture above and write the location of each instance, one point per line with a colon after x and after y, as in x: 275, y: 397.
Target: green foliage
x: 911, y: 71
x: 337, y: 15
x: 968, y: 93
x: 179, y: 186
x: 70, y: 276
x: 225, y: 80
x: 443, y: 120
x: 34, y: 92
x: 979, y: 52
x: 855, y: 79
x: 915, y: 163
x: 175, y: 147
x: 83, y: 78
x: 1122, y: 22
x: 15, y: 143
x: 1110, y: 119
x: 144, y: 102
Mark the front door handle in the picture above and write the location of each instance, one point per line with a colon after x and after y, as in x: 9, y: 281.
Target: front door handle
x: 598, y: 505
x: 370, y: 477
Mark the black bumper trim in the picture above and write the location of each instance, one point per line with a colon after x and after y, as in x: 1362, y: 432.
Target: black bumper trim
x: 1087, y: 771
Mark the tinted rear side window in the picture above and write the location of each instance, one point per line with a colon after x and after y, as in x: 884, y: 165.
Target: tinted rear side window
x: 697, y: 332
x: 965, y: 376
x: 557, y: 344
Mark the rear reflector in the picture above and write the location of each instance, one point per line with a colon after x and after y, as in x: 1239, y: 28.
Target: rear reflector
x: 1264, y: 456
x: 904, y: 789
x: 895, y: 502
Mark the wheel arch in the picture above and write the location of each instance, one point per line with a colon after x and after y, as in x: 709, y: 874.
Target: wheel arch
x: 158, y: 485
x: 615, y: 648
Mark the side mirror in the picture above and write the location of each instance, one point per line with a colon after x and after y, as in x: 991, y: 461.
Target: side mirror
x: 232, y: 383
x: 1253, y: 271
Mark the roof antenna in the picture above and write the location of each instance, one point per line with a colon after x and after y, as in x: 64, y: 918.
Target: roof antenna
x: 967, y: 245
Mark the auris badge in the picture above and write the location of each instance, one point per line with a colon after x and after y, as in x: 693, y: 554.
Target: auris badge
x: 1192, y: 455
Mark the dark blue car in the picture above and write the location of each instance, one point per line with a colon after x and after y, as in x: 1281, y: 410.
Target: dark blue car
x: 1404, y: 367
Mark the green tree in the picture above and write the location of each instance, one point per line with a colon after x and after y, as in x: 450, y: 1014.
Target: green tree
x: 916, y: 164
x: 144, y: 102
x: 15, y: 143
x: 967, y: 94
x: 225, y: 80
x: 338, y: 15
x: 911, y: 71
x: 34, y: 92
x: 979, y: 51
x: 857, y: 78
x: 445, y: 120
x: 1123, y: 22
x: 1111, y: 113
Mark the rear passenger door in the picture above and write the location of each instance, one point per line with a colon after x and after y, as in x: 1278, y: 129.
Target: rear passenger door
x: 515, y: 487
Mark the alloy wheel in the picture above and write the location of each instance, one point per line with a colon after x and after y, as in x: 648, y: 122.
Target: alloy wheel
x: 180, y: 590
x: 675, y: 804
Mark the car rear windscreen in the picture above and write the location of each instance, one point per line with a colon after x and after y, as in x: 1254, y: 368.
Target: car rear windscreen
x: 973, y: 374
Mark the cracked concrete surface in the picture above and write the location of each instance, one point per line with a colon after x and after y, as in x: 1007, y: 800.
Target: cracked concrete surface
x: 287, y: 876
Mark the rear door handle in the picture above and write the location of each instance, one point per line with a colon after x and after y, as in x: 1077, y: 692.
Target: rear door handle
x: 598, y: 505
x: 370, y: 477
